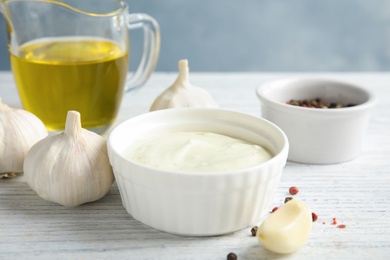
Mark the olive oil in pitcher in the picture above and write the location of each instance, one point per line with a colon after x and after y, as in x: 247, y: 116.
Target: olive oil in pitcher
x: 55, y: 75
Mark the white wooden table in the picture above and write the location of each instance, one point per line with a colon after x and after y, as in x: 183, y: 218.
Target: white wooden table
x: 357, y: 193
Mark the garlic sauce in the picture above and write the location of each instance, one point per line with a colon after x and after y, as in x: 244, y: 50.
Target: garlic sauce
x: 197, y: 152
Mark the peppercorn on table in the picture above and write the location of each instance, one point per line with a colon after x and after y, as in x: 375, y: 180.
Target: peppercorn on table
x: 350, y: 199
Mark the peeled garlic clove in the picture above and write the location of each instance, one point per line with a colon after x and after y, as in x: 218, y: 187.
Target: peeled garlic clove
x: 287, y: 229
x: 19, y: 130
x: 183, y: 94
x: 71, y: 167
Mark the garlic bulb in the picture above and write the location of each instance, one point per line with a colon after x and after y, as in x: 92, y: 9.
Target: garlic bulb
x: 183, y: 94
x: 71, y: 167
x: 19, y: 130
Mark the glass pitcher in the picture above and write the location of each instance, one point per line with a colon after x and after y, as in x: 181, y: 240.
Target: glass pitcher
x: 73, y: 55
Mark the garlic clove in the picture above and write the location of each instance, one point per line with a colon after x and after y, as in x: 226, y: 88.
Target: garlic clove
x: 19, y: 131
x: 71, y: 167
x: 183, y: 94
x: 287, y: 229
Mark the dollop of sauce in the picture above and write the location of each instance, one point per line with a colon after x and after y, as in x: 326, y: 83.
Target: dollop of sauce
x: 197, y: 152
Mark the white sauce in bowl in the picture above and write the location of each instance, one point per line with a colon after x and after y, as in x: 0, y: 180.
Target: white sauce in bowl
x: 197, y: 152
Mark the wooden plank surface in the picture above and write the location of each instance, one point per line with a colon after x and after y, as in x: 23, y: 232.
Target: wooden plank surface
x: 357, y: 193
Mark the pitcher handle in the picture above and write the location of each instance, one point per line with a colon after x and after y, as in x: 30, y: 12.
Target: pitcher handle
x: 151, y: 48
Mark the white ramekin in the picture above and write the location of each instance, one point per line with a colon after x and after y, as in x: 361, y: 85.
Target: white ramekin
x: 196, y: 203
x: 318, y: 136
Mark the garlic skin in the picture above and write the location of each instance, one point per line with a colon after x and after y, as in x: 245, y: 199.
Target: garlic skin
x: 183, y: 94
x: 19, y: 131
x: 71, y: 167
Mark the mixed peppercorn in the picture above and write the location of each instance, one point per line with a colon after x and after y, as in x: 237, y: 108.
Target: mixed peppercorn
x: 232, y: 256
x: 317, y: 103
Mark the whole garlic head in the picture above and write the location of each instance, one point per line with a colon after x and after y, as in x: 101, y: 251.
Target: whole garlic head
x: 19, y: 130
x: 183, y: 94
x: 71, y: 167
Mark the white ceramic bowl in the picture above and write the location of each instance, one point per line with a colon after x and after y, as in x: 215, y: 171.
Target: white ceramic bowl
x: 197, y: 203
x: 318, y: 136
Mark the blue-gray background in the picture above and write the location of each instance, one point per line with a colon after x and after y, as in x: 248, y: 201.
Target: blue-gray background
x: 264, y: 35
